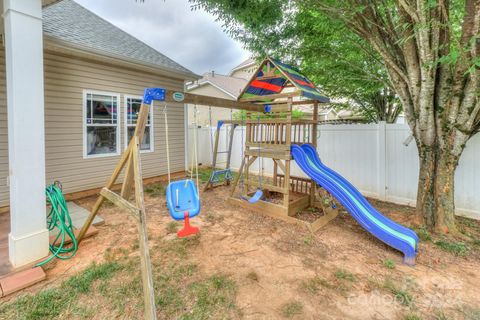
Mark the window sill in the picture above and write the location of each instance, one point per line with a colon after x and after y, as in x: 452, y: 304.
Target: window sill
x: 103, y: 155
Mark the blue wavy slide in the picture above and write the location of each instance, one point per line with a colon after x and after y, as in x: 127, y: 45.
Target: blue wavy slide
x: 388, y: 231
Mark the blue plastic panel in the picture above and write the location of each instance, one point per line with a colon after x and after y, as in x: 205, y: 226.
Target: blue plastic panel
x: 390, y: 232
x: 151, y: 94
x: 257, y: 196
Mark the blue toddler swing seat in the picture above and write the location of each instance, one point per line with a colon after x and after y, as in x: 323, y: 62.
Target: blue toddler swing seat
x: 182, y: 196
x: 183, y: 203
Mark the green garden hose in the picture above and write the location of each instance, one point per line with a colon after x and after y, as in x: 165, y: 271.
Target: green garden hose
x: 59, y: 218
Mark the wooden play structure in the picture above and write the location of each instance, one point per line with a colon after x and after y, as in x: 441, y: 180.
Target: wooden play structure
x: 269, y: 137
x: 268, y: 101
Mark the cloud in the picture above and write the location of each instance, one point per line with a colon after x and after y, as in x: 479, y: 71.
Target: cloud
x: 192, y: 38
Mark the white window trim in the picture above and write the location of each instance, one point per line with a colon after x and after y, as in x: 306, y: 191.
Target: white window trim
x: 125, y: 113
x: 84, y: 124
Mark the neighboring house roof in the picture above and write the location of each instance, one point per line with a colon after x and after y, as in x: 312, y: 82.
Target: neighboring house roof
x: 245, y: 64
x: 70, y: 22
x: 307, y: 109
x: 230, y: 85
x: 327, y: 111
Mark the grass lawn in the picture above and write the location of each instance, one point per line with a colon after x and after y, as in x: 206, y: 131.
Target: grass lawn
x: 244, y: 265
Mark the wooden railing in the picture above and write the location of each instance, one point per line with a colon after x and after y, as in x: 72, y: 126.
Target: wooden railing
x: 297, y: 184
x: 302, y: 132
x: 271, y: 133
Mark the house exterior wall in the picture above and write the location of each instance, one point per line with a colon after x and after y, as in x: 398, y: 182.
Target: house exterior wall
x: 244, y: 73
x: 203, y: 118
x: 66, y: 78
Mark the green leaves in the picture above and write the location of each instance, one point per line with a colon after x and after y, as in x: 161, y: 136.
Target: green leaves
x: 326, y: 50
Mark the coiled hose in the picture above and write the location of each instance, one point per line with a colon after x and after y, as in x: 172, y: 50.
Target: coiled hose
x: 59, y: 218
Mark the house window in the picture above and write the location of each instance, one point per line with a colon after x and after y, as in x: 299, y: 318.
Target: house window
x: 132, y: 110
x: 101, y: 124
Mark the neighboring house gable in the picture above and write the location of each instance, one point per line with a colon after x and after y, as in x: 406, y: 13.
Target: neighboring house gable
x: 244, y: 70
x: 214, y: 85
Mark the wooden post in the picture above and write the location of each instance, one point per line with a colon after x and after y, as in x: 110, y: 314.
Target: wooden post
x: 229, y: 154
x: 145, y: 263
x: 248, y: 139
x: 131, y: 159
x: 313, y: 188
x: 237, y: 178
x: 288, y: 142
x: 142, y: 120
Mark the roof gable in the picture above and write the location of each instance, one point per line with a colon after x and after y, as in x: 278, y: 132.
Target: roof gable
x: 273, y: 76
x: 243, y: 65
x: 70, y: 22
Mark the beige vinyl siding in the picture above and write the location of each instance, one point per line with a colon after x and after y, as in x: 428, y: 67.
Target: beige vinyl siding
x: 245, y: 73
x: 66, y: 79
x: 203, y: 111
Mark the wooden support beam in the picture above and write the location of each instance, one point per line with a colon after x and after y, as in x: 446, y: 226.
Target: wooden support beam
x: 111, y: 181
x: 285, y: 155
x: 145, y: 263
x: 251, y: 161
x: 272, y: 96
x: 142, y: 121
x: 211, y: 101
x: 279, y: 163
x: 121, y: 202
x: 237, y: 178
x: 269, y: 146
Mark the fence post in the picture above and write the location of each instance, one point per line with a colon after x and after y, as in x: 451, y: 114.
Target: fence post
x: 381, y: 160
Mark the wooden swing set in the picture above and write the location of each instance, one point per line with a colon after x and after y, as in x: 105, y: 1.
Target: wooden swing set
x: 275, y: 86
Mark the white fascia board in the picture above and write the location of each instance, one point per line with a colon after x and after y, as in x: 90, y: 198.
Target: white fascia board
x: 251, y: 64
x: 213, y: 85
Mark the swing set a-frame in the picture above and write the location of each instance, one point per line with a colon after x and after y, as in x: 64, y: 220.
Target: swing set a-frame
x: 130, y: 164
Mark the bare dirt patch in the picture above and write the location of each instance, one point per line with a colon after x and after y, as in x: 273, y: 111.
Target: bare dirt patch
x: 281, y: 270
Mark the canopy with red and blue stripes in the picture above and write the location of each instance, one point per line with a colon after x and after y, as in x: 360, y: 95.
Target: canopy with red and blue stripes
x: 271, y: 79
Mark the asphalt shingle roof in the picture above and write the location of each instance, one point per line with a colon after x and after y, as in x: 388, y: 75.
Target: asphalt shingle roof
x: 70, y: 22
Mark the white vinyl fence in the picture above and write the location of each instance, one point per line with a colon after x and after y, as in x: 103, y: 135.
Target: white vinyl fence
x: 376, y: 158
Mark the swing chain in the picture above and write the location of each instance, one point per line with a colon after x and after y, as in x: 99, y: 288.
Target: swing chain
x: 166, y: 141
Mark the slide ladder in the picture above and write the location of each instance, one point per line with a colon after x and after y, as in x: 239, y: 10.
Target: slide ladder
x: 388, y: 231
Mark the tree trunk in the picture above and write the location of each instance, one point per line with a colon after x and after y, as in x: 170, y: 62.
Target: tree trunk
x: 436, y: 193
x: 425, y: 213
x: 444, y: 193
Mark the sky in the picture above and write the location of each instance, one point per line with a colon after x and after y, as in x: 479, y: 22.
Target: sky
x: 192, y: 38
